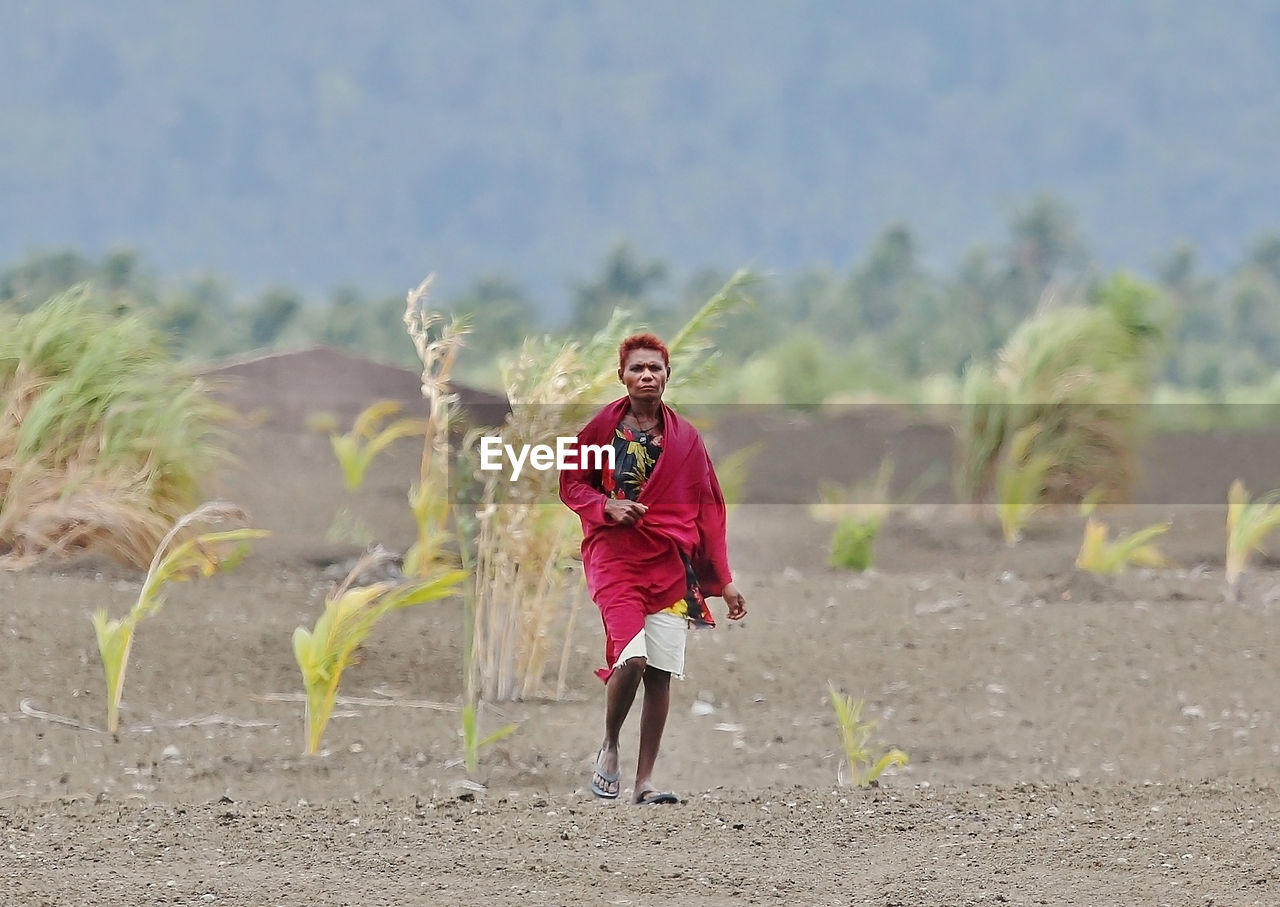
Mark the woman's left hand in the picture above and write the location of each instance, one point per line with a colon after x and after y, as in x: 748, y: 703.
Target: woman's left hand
x: 737, y: 604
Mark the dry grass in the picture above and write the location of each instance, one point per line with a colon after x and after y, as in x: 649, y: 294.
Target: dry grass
x: 103, y: 439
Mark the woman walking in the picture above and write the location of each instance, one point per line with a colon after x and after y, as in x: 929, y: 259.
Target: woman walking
x: 653, y: 546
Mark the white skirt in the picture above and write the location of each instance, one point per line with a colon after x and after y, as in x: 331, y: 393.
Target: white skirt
x: 661, y: 643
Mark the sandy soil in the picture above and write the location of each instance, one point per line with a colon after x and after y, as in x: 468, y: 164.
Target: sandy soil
x: 1073, y: 739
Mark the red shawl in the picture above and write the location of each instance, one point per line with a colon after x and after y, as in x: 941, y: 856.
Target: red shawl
x: 636, y: 570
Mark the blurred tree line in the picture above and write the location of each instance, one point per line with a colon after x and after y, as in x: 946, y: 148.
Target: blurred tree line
x: 886, y: 323
x: 337, y: 142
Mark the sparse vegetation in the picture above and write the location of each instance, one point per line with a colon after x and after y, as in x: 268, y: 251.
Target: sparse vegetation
x: 201, y: 555
x: 1056, y: 418
x: 858, y: 511
x: 1020, y: 482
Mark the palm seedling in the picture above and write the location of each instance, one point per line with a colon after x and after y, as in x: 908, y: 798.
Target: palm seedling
x: 370, y: 435
x: 350, y: 614
x: 1099, y: 555
x: 1248, y: 524
x: 855, y: 738
x: 200, y: 555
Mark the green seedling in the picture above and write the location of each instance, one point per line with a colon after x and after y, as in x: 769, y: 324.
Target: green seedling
x: 858, y: 511
x: 1098, y: 555
x: 1248, y: 525
x: 853, y: 543
x: 1020, y: 480
x: 370, y: 435
x: 855, y: 736
x: 472, y: 743
x: 350, y: 614
x: 202, y: 555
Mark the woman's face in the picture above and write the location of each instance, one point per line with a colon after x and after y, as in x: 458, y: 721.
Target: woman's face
x: 644, y: 375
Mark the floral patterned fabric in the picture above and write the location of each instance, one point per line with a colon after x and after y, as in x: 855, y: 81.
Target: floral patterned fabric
x: 635, y: 456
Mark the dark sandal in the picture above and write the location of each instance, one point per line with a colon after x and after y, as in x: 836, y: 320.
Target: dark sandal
x: 654, y: 797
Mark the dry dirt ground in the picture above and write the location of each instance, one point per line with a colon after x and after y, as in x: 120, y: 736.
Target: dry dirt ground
x: 1073, y: 739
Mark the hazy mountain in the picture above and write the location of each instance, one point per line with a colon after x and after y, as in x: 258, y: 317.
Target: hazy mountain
x: 312, y: 143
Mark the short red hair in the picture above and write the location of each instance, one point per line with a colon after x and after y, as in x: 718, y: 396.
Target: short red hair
x: 644, y: 341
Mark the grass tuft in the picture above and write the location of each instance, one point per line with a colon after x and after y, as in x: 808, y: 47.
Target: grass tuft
x: 371, y: 434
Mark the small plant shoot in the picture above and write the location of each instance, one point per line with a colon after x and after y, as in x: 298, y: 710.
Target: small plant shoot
x: 350, y: 614
x: 855, y: 737
x: 370, y: 435
x: 1020, y: 480
x: 1249, y: 523
x: 1098, y: 555
x: 201, y: 555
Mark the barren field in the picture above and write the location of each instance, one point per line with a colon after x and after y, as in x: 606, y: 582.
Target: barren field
x: 1073, y: 739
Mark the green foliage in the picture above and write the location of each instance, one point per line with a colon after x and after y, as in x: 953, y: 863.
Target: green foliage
x: 309, y: 189
x: 1075, y: 372
x: 1098, y: 555
x: 802, y: 370
x: 201, y: 555
x: 855, y: 738
x: 626, y: 283
x: 858, y: 511
x: 472, y: 743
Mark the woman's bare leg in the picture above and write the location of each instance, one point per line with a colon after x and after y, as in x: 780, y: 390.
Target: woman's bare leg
x: 620, y: 693
x: 653, y: 721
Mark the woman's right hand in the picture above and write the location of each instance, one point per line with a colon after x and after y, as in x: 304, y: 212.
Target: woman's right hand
x: 623, y: 512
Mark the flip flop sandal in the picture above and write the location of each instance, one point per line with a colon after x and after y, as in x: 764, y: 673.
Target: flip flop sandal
x: 654, y: 797
x: 609, y: 778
